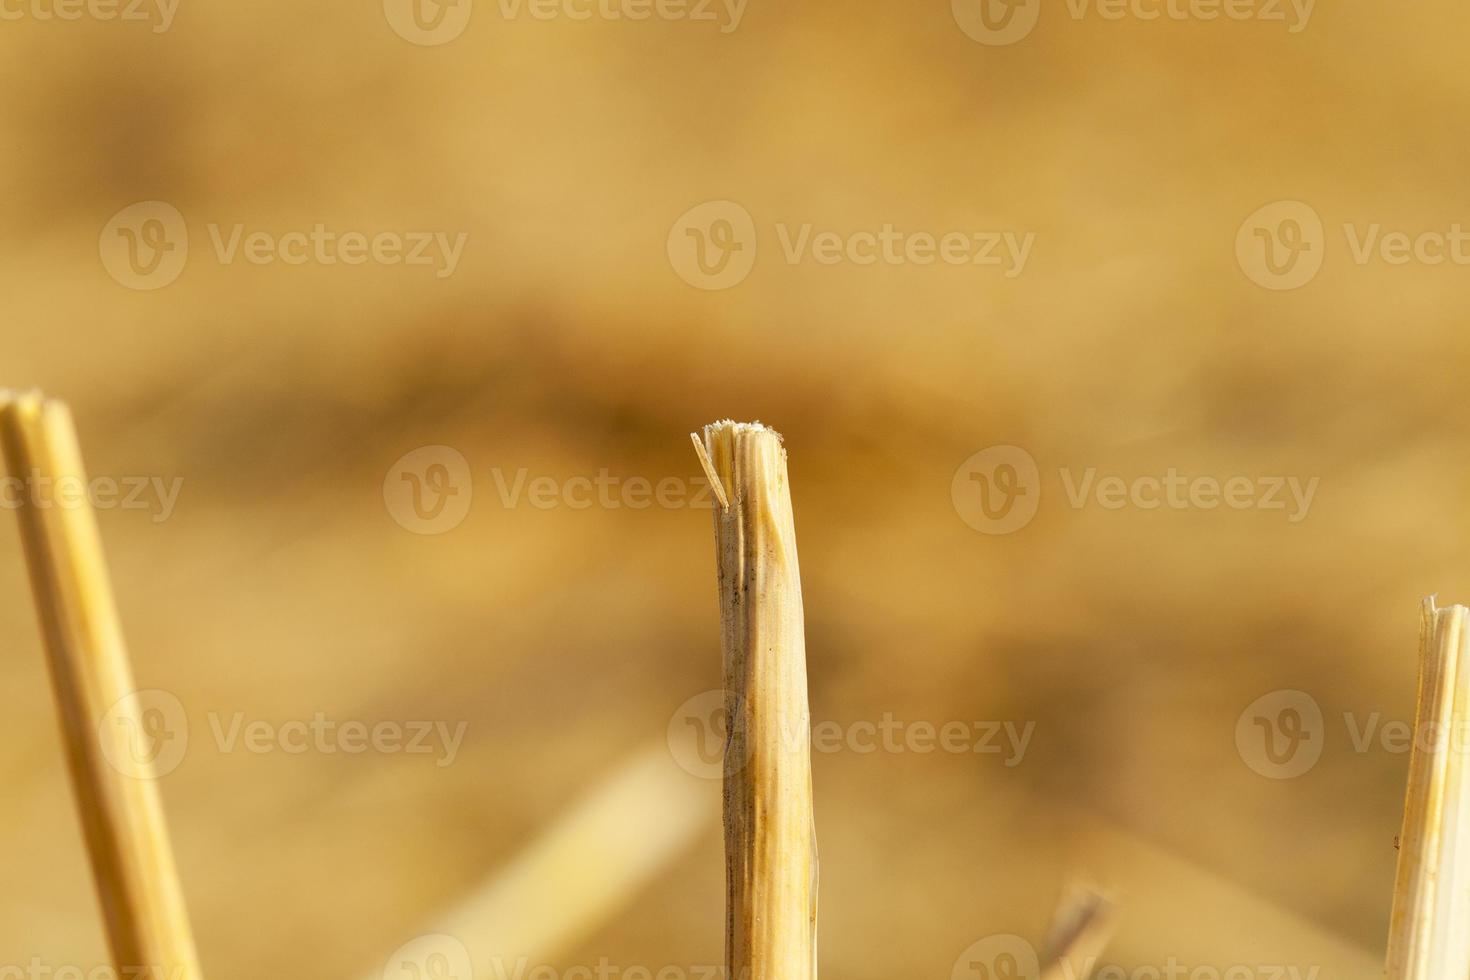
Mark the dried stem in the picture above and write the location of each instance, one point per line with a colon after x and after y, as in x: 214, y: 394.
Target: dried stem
x: 1079, y: 933
x: 1428, y: 938
x: 629, y: 828
x: 770, y: 841
x: 122, y: 817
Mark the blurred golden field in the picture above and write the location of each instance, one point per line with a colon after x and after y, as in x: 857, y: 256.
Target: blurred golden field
x: 568, y: 342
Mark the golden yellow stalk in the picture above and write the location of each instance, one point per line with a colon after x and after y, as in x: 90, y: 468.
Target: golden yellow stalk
x: 1429, y: 932
x: 770, y: 839
x: 122, y: 817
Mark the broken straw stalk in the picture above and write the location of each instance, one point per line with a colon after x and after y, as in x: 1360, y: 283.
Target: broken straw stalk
x: 1080, y: 931
x: 122, y: 816
x: 770, y: 840
x: 1428, y: 938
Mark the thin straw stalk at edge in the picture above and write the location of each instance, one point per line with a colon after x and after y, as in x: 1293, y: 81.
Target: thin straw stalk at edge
x: 1428, y: 934
x: 122, y: 816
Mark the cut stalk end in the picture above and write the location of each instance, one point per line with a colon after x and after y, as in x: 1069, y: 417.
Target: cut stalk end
x: 770, y: 841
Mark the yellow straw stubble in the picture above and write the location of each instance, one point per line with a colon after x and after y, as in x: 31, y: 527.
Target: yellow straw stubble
x: 1429, y: 932
x: 770, y: 839
x: 122, y: 816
